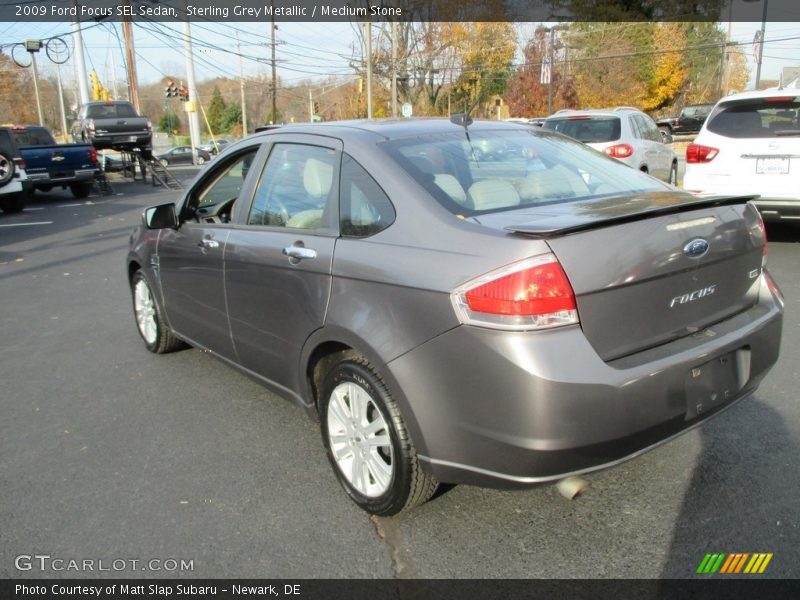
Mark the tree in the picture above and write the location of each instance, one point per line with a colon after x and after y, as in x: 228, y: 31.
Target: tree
x: 231, y: 117
x: 215, y: 111
x: 669, y: 73
x: 169, y: 122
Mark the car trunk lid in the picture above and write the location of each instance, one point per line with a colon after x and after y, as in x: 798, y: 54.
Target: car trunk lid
x: 650, y: 268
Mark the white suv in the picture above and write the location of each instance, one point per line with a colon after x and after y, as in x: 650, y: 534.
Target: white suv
x: 14, y: 183
x: 750, y: 144
x: 625, y: 133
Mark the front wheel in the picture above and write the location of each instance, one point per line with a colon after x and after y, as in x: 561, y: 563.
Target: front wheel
x: 156, y: 334
x: 367, y: 441
x: 163, y: 161
x: 201, y: 160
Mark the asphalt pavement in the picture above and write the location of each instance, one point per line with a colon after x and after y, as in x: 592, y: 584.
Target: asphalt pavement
x: 108, y: 452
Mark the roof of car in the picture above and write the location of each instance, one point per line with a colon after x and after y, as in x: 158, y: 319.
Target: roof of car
x: 566, y: 112
x: 762, y: 94
x: 391, y: 128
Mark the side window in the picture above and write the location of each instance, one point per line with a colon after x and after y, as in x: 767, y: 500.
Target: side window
x: 364, y: 208
x: 635, y: 128
x: 295, y: 187
x: 215, y: 199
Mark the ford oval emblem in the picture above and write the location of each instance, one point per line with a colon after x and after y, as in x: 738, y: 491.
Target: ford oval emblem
x: 696, y: 248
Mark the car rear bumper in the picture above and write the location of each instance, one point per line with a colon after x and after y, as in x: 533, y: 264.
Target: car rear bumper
x: 518, y: 409
x: 122, y: 141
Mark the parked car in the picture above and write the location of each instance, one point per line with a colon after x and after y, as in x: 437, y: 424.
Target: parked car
x: 14, y: 184
x: 455, y: 320
x: 215, y: 147
x: 690, y: 120
x: 182, y: 155
x: 113, y: 124
x: 750, y: 145
x: 50, y: 165
x: 627, y: 134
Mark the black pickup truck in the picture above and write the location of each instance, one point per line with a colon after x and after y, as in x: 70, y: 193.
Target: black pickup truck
x: 49, y: 164
x: 689, y: 121
x: 113, y: 124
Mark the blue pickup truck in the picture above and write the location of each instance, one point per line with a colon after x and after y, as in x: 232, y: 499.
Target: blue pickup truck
x: 50, y: 165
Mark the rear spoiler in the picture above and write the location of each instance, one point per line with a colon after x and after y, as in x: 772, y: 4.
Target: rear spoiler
x: 577, y: 223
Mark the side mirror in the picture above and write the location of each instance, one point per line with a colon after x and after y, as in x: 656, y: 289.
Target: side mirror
x: 162, y: 216
x: 667, y: 138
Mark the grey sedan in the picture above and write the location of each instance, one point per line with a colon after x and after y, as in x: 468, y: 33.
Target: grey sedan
x: 503, y: 321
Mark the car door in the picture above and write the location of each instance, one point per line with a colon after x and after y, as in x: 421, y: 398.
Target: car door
x: 191, y: 258
x: 278, y: 259
x: 650, y: 140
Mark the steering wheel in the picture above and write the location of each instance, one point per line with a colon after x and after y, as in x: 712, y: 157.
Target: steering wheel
x: 216, y: 213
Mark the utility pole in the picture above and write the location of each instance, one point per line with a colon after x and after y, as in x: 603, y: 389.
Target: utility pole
x: 80, y: 60
x: 761, y: 44
x: 272, y: 29
x: 114, y: 73
x: 394, y: 69
x: 550, y: 83
x: 194, y: 100
x: 130, y: 60
x: 33, y: 46
x: 368, y: 41
x: 64, y: 132
x: 241, y: 86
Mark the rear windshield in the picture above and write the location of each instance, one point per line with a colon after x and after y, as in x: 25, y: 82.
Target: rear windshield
x: 492, y: 171
x: 587, y: 129
x: 100, y: 111
x: 757, y: 118
x: 33, y: 137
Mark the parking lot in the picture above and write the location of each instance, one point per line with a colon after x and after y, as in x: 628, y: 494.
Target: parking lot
x: 109, y: 452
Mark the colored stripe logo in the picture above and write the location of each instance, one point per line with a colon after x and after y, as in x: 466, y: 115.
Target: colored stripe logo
x: 734, y: 563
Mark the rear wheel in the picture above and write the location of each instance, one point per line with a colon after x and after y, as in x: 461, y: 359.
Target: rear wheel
x: 201, y: 160
x: 81, y: 190
x: 13, y: 203
x: 6, y: 169
x: 367, y: 441
x: 673, y: 174
x: 156, y: 334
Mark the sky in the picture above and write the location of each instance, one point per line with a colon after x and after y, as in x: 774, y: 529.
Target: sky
x: 304, y: 51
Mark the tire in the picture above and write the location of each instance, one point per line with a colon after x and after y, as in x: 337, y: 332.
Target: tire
x: 163, y: 162
x: 376, y: 439
x: 156, y: 334
x: 13, y: 203
x: 673, y: 174
x: 7, y: 169
x: 81, y: 190
x: 200, y: 160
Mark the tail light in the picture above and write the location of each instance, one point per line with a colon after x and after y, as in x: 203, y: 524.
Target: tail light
x: 92, y: 154
x: 697, y: 153
x: 763, y: 229
x: 20, y: 163
x: 531, y: 294
x: 90, y: 126
x: 619, y: 150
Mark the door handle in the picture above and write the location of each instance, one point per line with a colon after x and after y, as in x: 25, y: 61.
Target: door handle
x: 299, y: 252
x: 208, y: 244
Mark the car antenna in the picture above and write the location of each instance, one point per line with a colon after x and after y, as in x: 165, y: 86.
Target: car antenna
x: 464, y: 120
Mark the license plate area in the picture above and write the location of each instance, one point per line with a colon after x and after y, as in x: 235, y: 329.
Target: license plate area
x: 772, y: 166
x: 715, y: 382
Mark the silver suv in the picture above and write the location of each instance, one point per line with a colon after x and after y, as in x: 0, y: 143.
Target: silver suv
x: 624, y: 133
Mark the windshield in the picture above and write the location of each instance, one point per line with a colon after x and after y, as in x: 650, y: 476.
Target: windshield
x: 757, y: 118
x: 589, y: 130
x: 504, y: 170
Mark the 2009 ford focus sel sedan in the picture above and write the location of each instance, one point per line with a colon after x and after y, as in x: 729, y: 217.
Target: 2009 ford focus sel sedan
x: 502, y: 318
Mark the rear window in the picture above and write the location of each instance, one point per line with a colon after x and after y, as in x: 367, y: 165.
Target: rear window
x: 492, y: 171
x: 587, y: 129
x: 757, y: 118
x: 100, y: 111
x: 33, y: 137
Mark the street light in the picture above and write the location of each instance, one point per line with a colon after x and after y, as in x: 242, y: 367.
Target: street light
x: 33, y: 46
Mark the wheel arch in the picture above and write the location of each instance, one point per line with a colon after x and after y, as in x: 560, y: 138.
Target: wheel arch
x: 321, y: 351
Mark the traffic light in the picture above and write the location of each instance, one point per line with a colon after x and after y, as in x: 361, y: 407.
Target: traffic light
x: 183, y: 93
x: 97, y: 88
x: 171, y: 91
x: 316, y: 107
